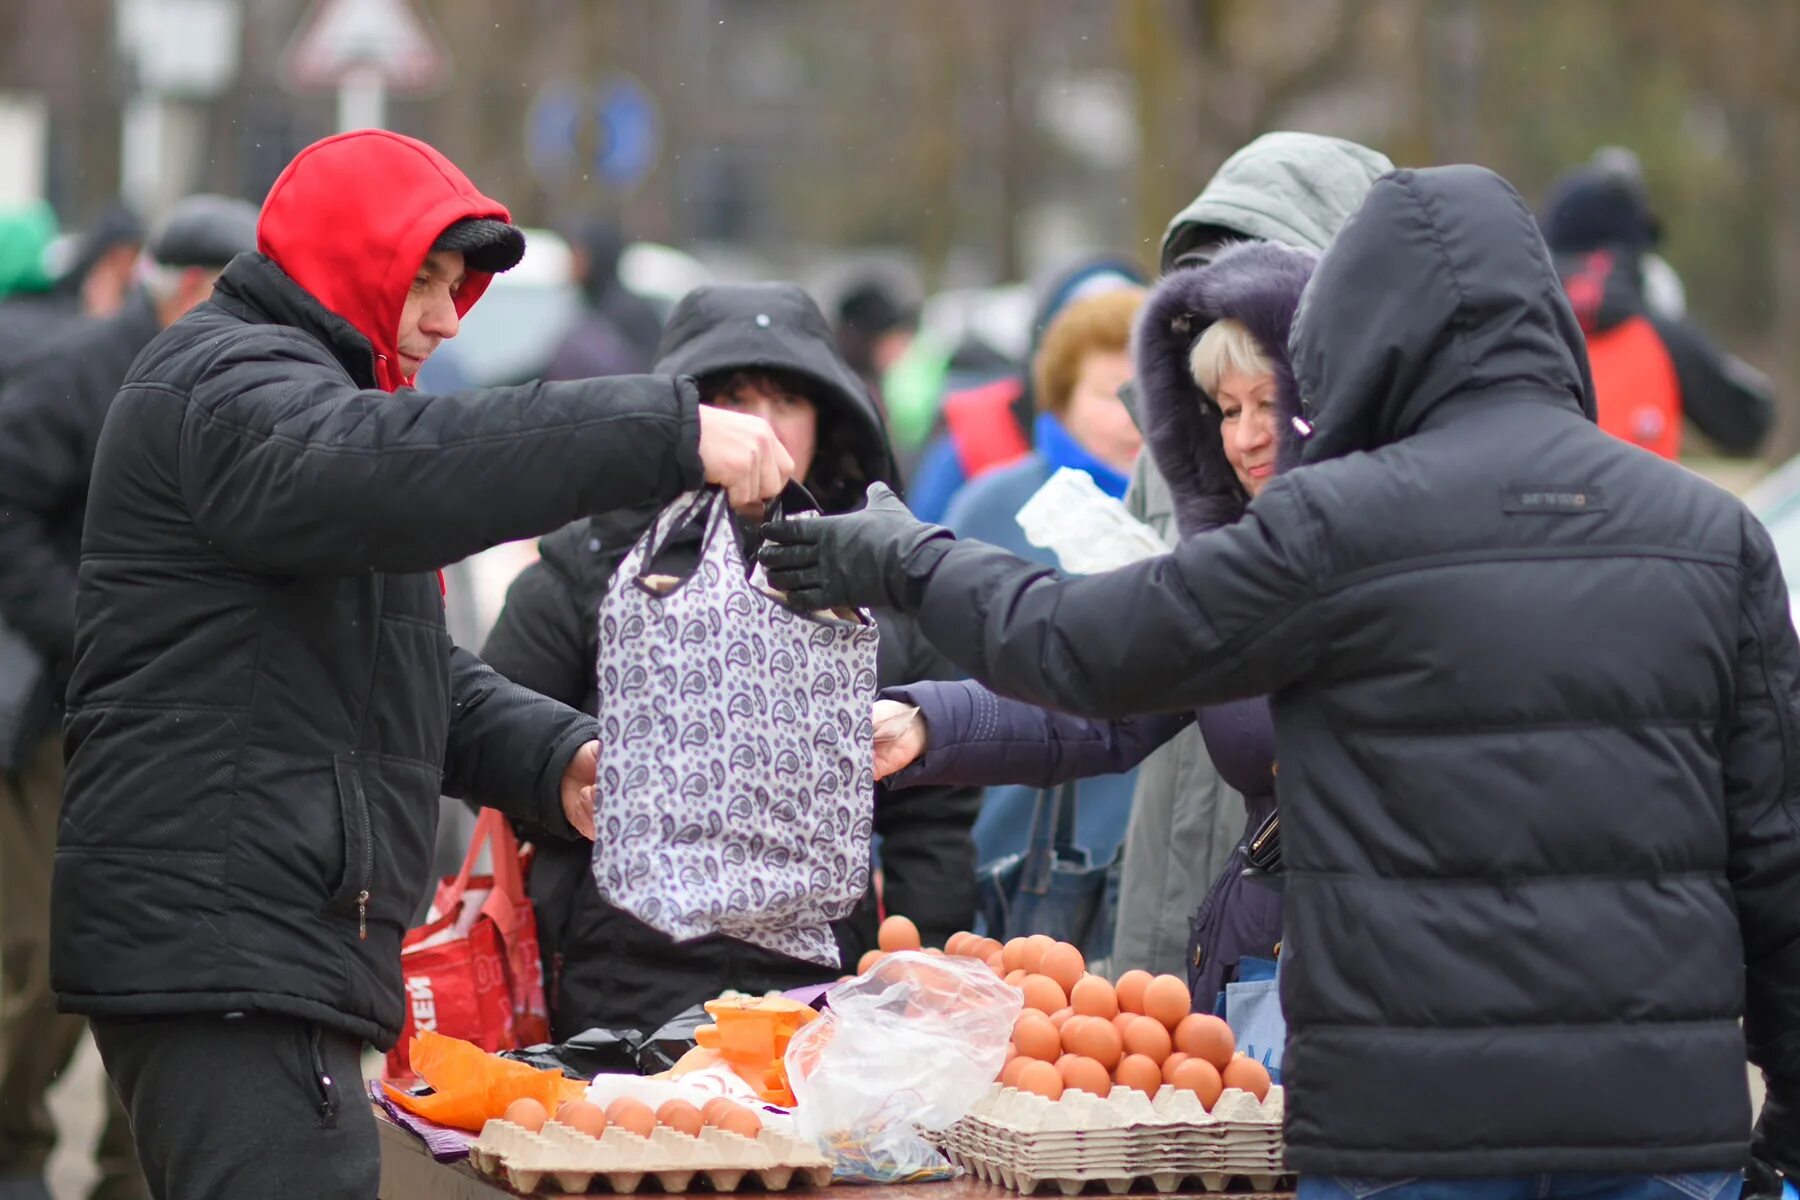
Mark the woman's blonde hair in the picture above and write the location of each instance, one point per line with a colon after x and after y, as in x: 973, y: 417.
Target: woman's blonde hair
x: 1227, y: 345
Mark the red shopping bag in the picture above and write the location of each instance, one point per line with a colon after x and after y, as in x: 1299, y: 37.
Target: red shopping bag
x: 473, y: 971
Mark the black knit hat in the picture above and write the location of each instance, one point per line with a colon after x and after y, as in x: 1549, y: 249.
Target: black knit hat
x: 486, y: 244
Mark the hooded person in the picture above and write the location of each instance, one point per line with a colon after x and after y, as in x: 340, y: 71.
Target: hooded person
x: 1534, y: 704
x: 1292, y: 189
x: 1654, y: 370
x: 264, y: 703
x: 762, y: 348
x: 52, y: 407
x: 1218, y: 442
x: 990, y: 427
x: 619, y: 329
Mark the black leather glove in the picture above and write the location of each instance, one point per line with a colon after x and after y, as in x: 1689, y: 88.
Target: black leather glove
x: 1775, y: 1146
x: 878, y: 557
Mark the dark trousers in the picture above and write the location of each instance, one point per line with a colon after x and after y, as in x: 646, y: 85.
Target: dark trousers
x: 247, y: 1105
x: 37, y: 1043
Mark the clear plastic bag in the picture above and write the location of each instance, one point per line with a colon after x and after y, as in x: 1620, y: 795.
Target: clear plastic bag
x: 910, y: 1046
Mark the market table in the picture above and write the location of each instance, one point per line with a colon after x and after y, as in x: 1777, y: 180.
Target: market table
x: 408, y: 1172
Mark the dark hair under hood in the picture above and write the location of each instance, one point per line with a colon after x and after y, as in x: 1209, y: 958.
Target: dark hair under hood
x: 1258, y: 284
x: 776, y: 327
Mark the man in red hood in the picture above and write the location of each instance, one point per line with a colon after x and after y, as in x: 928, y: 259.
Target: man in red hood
x: 265, y: 705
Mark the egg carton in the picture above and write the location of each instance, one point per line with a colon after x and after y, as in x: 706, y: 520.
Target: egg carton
x: 564, y: 1161
x: 1116, y: 1182
x: 1120, y: 1142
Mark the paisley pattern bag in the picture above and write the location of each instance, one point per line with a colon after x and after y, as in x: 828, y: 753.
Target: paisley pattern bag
x: 736, y: 783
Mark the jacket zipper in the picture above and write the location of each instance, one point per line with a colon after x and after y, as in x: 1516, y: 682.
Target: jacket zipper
x: 357, y: 827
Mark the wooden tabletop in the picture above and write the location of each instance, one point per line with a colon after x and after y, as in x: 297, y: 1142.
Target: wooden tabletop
x: 408, y: 1172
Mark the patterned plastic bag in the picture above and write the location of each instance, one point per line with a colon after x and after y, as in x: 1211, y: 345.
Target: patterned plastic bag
x: 736, y: 783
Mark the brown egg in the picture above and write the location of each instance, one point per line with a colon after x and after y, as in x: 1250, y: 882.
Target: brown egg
x: 1015, y: 978
x: 1245, y: 1072
x: 867, y: 963
x: 526, y: 1113
x: 1172, y: 1064
x: 1060, y: 1017
x: 712, y: 1108
x: 1198, y: 1076
x: 997, y: 963
x: 954, y: 947
x: 1081, y: 1074
x: 1036, y: 1036
x: 630, y: 1114
x: 1146, y: 1036
x: 1064, y: 964
x: 1130, y: 988
x: 1093, y: 1038
x: 742, y: 1122
x: 898, y: 933
x: 583, y: 1117
x: 680, y: 1116
x: 1205, y: 1036
x: 1136, y: 1071
x: 981, y: 948
x: 1167, y: 999
x: 1036, y: 946
x: 1009, y: 1074
x: 1012, y: 955
x: 1043, y: 994
x: 1123, y: 1021
x: 1092, y: 996
x: 1042, y: 1079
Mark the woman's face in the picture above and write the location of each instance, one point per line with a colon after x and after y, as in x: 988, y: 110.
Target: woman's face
x: 1097, y: 418
x: 1247, y: 424
x: 793, y: 417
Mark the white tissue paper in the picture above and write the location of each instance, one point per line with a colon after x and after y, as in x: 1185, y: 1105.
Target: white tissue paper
x: 1085, y: 528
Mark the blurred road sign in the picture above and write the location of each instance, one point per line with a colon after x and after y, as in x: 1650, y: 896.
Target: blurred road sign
x: 386, y: 39
x: 615, y: 126
x: 629, y: 133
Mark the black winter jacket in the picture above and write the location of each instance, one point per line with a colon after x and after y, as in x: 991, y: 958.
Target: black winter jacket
x: 608, y: 969
x: 265, y: 704
x: 1535, y: 707
x: 52, y: 406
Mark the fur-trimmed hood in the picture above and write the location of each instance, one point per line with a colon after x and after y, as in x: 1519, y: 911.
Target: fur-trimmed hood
x: 1259, y: 284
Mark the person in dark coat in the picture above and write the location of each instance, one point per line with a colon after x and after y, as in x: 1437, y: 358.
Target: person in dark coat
x: 1218, y: 443
x: 1653, y: 370
x: 763, y: 348
x: 1534, y: 695
x: 265, y: 705
x: 51, y: 410
x: 618, y: 329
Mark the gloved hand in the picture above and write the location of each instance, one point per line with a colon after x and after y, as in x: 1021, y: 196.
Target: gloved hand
x: 878, y: 557
x: 1775, y: 1146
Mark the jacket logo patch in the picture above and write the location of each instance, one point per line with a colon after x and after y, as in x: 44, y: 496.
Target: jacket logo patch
x: 1554, y: 501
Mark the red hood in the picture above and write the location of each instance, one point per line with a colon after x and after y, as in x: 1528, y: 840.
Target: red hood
x: 352, y: 218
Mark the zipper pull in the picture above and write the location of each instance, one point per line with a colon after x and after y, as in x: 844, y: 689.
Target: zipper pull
x: 362, y: 915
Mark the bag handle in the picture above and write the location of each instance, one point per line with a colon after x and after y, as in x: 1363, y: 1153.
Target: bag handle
x: 491, y: 829
x: 1049, y: 837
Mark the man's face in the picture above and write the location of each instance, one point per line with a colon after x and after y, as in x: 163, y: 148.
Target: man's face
x: 429, y: 316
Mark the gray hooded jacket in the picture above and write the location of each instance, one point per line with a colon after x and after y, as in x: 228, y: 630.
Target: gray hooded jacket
x: 1296, y: 189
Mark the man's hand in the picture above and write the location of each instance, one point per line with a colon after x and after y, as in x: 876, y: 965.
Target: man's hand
x: 900, y: 736
x: 859, y: 560
x: 742, y: 455
x: 578, y: 789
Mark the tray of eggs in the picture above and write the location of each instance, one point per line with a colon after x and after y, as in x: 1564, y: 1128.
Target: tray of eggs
x: 1114, y: 1084
x: 628, y: 1146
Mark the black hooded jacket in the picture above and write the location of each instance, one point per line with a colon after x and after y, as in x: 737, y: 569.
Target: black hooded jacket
x: 1535, y: 709
x: 608, y: 969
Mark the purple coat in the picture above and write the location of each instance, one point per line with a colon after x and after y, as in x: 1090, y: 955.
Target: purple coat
x: 978, y: 737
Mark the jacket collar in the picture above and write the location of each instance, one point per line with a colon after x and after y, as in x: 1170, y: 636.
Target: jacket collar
x: 252, y: 288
